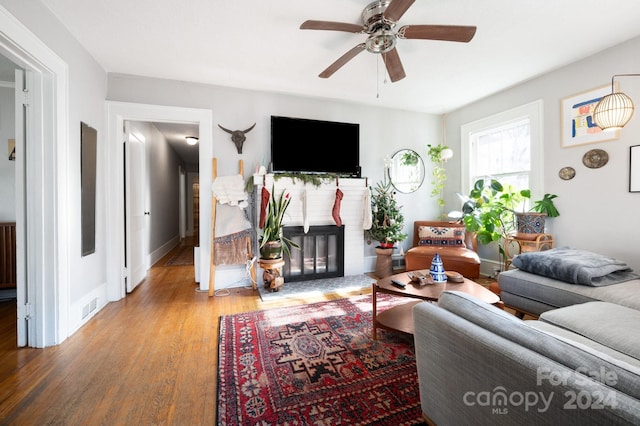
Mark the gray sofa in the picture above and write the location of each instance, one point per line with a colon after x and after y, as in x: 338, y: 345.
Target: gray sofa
x: 533, y: 294
x: 477, y: 364
x: 566, y: 276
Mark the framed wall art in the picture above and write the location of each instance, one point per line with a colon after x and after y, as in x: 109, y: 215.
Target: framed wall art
x: 634, y: 168
x: 88, y: 158
x: 578, y: 125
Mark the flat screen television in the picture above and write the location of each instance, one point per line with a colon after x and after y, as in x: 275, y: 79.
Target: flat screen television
x: 315, y: 146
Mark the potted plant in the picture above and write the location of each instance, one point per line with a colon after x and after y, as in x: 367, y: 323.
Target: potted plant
x: 387, y: 221
x: 409, y: 158
x: 531, y: 223
x: 491, y: 208
x: 273, y: 242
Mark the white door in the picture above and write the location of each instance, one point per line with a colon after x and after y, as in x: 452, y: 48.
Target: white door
x: 137, y: 214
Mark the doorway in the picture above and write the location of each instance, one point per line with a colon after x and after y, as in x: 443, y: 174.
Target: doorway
x: 8, y: 188
x: 157, y: 156
x: 42, y: 251
x: 118, y: 113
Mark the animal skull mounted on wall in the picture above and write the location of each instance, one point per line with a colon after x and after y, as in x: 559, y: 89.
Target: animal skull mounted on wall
x: 238, y: 136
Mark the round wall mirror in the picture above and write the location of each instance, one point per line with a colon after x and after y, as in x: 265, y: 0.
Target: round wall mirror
x: 406, y: 171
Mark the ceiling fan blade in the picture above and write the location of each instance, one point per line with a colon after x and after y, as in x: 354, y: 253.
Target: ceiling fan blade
x: 394, y: 66
x: 341, y: 61
x: 331, y: 26
x: 396, y: 9
x: 437, y: 32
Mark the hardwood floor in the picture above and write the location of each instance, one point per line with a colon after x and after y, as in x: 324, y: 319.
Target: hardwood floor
x: 150, y: 358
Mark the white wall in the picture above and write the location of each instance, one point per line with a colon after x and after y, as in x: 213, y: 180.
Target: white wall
x: 597, y: 212
x: 382, y: 131
x: 7, y: 168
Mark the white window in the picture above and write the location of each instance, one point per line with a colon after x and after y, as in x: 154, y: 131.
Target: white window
x: 506, y: 146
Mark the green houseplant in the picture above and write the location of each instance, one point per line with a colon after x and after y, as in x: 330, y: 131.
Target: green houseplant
x: 530, y: 224
x: 439, y: 173
x: 273, y: 242
x: 410, y: 158
x: 387, y: 220
x: 491, y: 208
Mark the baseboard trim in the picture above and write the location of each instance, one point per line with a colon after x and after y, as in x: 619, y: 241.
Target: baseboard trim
x: 163, y: 250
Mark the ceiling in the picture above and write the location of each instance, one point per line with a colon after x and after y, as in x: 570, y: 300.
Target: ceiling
x: 257, y: 44
x: 175, y: 134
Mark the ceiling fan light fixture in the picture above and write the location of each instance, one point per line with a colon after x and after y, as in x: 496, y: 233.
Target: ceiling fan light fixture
x: 381, y: 42
x: 613, y: 111
x: 379, y: 20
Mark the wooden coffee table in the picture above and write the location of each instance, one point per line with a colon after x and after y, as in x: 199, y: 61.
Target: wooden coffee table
x: 400, y: 318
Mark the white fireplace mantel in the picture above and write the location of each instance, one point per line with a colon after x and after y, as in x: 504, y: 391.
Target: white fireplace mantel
x: 320, y: 202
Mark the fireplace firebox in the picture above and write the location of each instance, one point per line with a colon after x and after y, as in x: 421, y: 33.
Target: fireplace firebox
x: 321, y: 253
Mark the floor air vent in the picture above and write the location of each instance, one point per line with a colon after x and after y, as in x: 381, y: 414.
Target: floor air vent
x: 89, y: 307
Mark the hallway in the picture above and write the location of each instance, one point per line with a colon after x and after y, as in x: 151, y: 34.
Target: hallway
x: 150, y: 358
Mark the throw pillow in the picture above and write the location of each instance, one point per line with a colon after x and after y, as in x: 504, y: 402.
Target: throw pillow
x: 449, y: 236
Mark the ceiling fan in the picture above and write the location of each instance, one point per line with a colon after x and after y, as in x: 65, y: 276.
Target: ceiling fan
x: 378, y: 21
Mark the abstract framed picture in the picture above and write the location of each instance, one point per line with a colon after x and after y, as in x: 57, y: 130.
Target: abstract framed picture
x: 634, y: 168
x: 578, y: 125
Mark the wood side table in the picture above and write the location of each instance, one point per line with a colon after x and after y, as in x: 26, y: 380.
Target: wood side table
x: 400, y: 318
x: 384, y: 262
x: 514, y: 245
x: 272, y: 273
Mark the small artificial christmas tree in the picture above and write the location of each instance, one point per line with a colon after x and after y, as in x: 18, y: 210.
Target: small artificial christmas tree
x: 387, y: 221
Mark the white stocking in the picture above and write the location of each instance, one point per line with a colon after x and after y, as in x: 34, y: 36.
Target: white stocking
x: 305, y: 217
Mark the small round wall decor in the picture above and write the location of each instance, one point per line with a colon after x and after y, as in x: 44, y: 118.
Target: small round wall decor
x: 595, y: 158
x: 567, y: 173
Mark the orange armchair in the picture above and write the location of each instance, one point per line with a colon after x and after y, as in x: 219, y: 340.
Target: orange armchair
x: 456, y: 246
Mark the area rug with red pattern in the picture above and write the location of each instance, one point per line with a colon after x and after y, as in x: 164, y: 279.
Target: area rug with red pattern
x: 316, y: 364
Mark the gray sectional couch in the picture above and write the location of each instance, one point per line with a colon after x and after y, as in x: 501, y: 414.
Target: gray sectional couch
x: 480, y: 365
x: 565, y: 276
x: 534, y: 294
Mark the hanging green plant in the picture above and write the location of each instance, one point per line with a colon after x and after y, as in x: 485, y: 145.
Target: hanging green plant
x: 409, y: 158
x: 439, y: 174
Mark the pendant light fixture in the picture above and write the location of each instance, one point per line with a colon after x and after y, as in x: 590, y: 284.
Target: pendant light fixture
x: 614, y: 111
